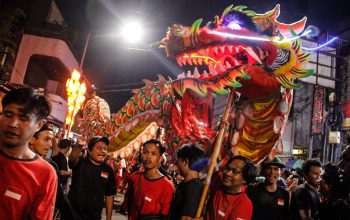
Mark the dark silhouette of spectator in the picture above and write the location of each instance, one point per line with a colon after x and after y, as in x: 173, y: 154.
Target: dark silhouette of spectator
x: 334, y: 205
x: 188, y: 192
x: 62, y: 162
x: 305, y: 201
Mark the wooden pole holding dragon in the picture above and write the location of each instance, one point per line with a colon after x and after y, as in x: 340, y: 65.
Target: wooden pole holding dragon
x: 216, y: 150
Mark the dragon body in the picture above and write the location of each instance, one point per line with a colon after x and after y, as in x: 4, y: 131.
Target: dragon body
x: 254, y: 54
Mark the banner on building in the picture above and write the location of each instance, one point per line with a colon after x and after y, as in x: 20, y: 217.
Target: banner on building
x: 318, y: 111
x: 346, y: 113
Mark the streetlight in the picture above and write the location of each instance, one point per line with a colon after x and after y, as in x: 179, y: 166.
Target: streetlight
x: 132, y: 32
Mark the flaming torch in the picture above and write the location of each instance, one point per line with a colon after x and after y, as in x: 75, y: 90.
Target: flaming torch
x: 75, y: 98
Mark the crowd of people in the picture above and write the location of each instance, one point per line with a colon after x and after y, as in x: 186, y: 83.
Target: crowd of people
x: 46, y: 177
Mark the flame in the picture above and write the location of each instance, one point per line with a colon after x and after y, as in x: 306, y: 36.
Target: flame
x: 75, y: 98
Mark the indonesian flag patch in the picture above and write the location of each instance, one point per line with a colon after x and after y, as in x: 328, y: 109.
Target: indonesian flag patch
x: 14, y: 193
x: 280, y: 202
x: 104, y: 175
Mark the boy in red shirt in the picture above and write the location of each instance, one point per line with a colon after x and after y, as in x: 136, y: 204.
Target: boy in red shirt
x: 228, y: 201
x: 149, y: 193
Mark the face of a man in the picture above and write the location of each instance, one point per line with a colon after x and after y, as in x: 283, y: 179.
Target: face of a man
x: 181, y: 164
x: 344, y: 166
x: 314, y: 176
x: 232, y: 174
x: 16, y: 128
x: 98, y: 153
x: 324, y: 187
x: 151, y: 157
x: 272, y: 173
x: 42, y: 143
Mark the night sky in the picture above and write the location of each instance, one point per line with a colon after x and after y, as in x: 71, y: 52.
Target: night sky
x: 110, y: 63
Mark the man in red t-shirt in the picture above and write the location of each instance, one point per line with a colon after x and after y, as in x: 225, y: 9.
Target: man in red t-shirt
x: 228, y: 201
x: 149, y: 193
x: 28, y: 183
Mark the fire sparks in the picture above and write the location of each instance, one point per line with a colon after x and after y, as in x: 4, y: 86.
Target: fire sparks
x: 75, y: 98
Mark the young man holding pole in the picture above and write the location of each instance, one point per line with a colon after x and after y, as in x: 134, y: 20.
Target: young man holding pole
x: 227, y: 200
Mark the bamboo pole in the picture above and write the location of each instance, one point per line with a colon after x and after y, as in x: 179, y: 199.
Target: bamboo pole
x: 216, y: 151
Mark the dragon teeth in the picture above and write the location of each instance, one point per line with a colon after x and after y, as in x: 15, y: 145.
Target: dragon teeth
x: 189, y: 61
x: 228, y: 65
x: 196, y: 73
x: 200, y: 61
x: 195, y: 61
x: 183, y: 61
x: 212, y: 69
x: 230, y: 48
x: 215, y: 49
x: 189, y: 75
x: 253, y: 54
x: 178, y: 59
x: 222, y: 68
x: 222, y: 49
x: 205, y: 74
x: 181, y: 75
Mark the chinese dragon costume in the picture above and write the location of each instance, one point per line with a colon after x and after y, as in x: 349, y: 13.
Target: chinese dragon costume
x: 254, y: 54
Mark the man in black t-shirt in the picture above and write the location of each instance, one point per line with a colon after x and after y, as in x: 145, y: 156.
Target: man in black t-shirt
x: 306, y: 199
x: 188, y: 192
x: 93, y: 182
x: 61, y: 160
x: 270, y: 201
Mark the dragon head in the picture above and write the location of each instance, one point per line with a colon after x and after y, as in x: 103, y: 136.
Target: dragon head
x: 253, y: 53
x: 238, y: 45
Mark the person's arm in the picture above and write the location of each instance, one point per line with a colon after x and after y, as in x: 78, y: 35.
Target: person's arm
x: 167, y: 197
x: 54, y: 147
x: 109, y: 206
x: 65, y: 172
x: 44, y: 204
x: 75, y: 154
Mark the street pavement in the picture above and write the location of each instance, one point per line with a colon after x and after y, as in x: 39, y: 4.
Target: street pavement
x: 116, y: 215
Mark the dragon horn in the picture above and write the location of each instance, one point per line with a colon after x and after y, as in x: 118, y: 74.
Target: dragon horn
x: 273, y: 14
x: 194, y: 31
x: 297, y: 27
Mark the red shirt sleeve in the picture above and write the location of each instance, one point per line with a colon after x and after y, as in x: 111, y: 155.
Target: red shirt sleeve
x: 44, y: 204
x: 168, y: 196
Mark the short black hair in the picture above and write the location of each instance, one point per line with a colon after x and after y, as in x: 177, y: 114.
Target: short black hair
x: 191, y: 152
x: 157, y: 143
x: 305, y: 169
x: 96, y: 139
x: 331, y: 175
x: 45, y: 127
x: 32, y: 102
x: 64, y: 143
x: 249, y: 171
